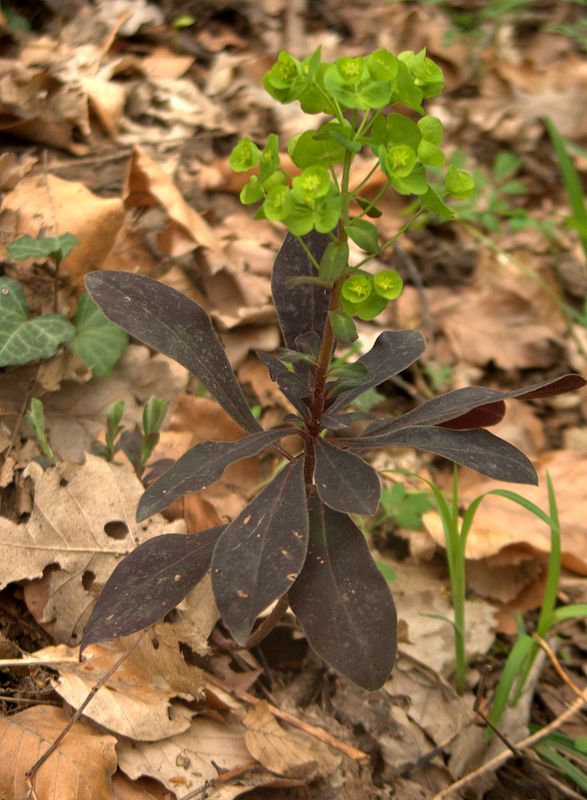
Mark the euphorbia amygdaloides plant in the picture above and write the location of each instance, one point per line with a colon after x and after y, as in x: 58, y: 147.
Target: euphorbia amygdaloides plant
x: 295, y: 539
x: 295, y: 542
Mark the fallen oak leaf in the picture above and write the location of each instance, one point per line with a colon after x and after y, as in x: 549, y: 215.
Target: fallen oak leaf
x: 80, y: 768
x: 285, y: 752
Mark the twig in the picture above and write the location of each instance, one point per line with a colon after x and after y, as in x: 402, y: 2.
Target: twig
x: 36, y: 662
x: 224, y: 777
x: 500, y: 759
x: 557, y: 665
x: 78, y: 713
x: 312, y: 730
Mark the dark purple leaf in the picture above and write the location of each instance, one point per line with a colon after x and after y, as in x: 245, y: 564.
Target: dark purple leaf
x: 393, y: 352
x: 338, y: 422
x: 200, y: 466
x: 309, y: 343
x: 476, y: 449
x: 343, y: 602
x: 175, y: 325
x: 149, y: 583
x: 294, y: 385
x: 261, y: 552
x: 300, y: 309
x: 344, y: 481
x: 472, y: 406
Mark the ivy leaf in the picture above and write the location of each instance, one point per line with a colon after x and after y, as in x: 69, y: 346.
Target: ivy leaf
x: 176, y: 326
x: 344, y: 481
x: 300, y: 309
x: 23, y: 340
x: 149, y: 583
x: 201, y: 466
x: 261, y: 553
x: 97, y: 341
x: 55, y: 247
x: 343, y: 602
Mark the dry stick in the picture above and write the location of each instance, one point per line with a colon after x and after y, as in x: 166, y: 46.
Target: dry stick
x: 224, y: 777
x: 557, y: 665
x: 37, y: 662
x: 500, y: 759
x: 312, y: 730
x: 94, y: 690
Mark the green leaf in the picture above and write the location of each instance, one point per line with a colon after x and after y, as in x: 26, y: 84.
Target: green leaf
x: 36, y: 419
x: 316, y: 148
x: 364, y: 234
x: 54, y: 247
x: 334, y: 261
x: 431, y: 129
x: 153, y: 415
x: 97, y: 341
x: 505, y: 165
x: 432, y: 202
x: 23, y: 340
x: 12, y: 299
x: 459, y: 183
x: 343, y: 327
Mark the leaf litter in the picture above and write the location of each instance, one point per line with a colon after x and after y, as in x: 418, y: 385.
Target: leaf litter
x: 166, y: 107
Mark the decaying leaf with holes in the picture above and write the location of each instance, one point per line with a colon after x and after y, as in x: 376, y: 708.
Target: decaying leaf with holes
x: 75, y: 537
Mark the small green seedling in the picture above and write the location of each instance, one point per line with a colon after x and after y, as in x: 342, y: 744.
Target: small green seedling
x: 36, y: 419
x: 91, y: 336
x: 114, y: 428
x: 296, y: 542
x: 137, y: 445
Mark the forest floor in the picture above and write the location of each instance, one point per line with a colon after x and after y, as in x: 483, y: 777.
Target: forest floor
x: 117, y: 120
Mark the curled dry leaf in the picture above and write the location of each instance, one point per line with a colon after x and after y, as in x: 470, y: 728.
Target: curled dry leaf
x: 147, y: 184
x: 47, y: 205
x: 80, y: 768
x: 136, y: 702
x: 284, y: 752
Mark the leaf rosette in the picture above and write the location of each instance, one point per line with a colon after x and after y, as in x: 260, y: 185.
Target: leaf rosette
x: 295, y: 541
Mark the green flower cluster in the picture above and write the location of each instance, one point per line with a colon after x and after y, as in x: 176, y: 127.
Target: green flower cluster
x: 365, y: 296
x: 358, y: 94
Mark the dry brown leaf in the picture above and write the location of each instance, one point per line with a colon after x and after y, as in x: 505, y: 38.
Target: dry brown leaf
x: 419, y: 591
x: 136, y: 702
x: 147, y: 184
x: 495, y: 325
x: 433, y: 703
x: 283, y: 752
x: 256, y: 374
x: 49, y: 206
x: 80, y: 769
x: 13, y: 170
x: 125, y: 789
x: 83, y: 520
x: 500, y: 523
x: 187, y: 760
x: 164, y: 63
